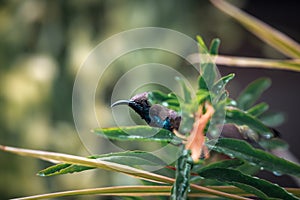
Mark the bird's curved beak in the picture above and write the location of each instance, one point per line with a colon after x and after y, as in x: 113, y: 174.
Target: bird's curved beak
x: 121, y: 102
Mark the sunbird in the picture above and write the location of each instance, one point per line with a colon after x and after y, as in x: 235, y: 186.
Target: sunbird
x: 155, y: 115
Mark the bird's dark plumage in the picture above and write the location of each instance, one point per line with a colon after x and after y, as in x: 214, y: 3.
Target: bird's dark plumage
x: 155, y: 115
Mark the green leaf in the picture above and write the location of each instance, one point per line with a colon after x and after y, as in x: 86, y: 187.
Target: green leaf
x: 186, y: 91
x: 252, y: 93
x: 207, y: 65
x: 272, y: 119
x: 242, y: 118
x: 274, y: 143
x: 208, y: 75
x: 138, y: 133
x: 231, y: 163
x: 220, y: 84
x: 63, y: 168
x: 214, y: 46
x: 252, y: 190
x: 202, y: 46
x: 258, y: 109
x: 168, y: 100
x: 242, y: 150
x: 181, y: 186
x: 158, y: 97
x: 249, y: 169
x: 52, y: 170
x: 202, y: 84
x: 221, y: 97
x: 130, y: 158
x: 261, y: 188
x: 202, y: 95
x: 271, y: 36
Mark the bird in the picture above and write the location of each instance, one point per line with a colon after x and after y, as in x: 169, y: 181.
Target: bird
x: 155, y: 115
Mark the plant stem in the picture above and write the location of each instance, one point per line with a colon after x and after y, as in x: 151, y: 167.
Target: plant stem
x: 268, y: 34
x: 181, y: 185
x: 245, y: 62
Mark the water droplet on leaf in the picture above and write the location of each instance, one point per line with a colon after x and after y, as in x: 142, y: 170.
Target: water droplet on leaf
x: 165, y: 104
x: 215, y: 133
x: 230, y: 155
x: 233, y: 103
x: 268, y: 135
x: 41, y: 174
x: 277, y: 173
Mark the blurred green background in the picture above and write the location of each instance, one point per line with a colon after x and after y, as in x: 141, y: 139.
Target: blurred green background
x: 43, y: 44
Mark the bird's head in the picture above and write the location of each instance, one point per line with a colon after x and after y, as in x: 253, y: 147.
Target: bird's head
x: 139, y: 103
